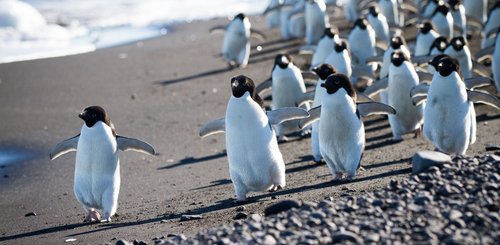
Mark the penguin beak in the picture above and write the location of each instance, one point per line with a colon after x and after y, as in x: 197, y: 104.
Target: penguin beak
x: 82, y: 115
x: 315, y: 69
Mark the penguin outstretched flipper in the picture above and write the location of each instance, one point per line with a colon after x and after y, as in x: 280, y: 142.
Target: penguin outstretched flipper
x: 213, y: 127
x: 264, y: 86
x: 424, y: 76
x: 420, y: 90
x: 374, y: 108
x: 314, y: 115
x: 484, y: 53
x: 217, y: 29
x: 305, y: 98
x: 480, y: 69
x: 477, y: 82
x: 484, y: 98
x: 417, y: 100
x: 131, y: 144
x: 377, y: 87
x: 309, y: 75
x: 64, y: 147
x: 257, y: 34
x: 285, y: 114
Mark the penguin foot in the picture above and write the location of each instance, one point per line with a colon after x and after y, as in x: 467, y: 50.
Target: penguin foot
x: 282, y: 139
x: 319, y: 162
x: 417, y: 132
x: 92, y: 216
x: 397, y: 139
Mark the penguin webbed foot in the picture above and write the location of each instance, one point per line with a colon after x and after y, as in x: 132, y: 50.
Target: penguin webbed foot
x: 92, y: 216
x: 417, y: 132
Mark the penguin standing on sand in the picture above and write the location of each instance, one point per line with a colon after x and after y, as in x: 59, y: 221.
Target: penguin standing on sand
x: 379, y: 23
x: 402, y: 78
x: 443, y: 21
x: 316, y: 20
x: 272, y: 14
x: 97, y: 166
x: 325, y: 46
x: 341, y: 131
x: 458, y: 13
x: 255, y: 161
x: 389, y: 9
x: 458, y: 49
x: 425, y: 38
x: 340, y: 58
x: 362, y: 43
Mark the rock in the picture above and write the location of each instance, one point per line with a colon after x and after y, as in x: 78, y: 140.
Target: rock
x: 30, y: 214
x: 281, y: 207
x: 422, y: 160
x: 492, y: 147
x: 346, y: 236
x: 123, y: 242
x: 136, y: 242
x: 186, y: 217
x: 240, y: 215
x: 240, y: 209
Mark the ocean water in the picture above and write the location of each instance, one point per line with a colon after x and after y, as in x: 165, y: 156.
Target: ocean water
x: 34, y: 29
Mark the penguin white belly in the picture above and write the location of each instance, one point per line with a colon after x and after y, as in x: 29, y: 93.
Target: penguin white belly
x: 323, y: 49
x: 315, y: 22
x: 447, y: 122
x: 341, y: 135
x: 495, y: 65
x: 408, y: 117
x: 235, y: 43
x: 380, y: 27
x: 463, y: 57
x: 389, y: 10
x: 424, y: 42
x: 340, y: 61
x: 255, y: 162
x: 443, y: 24
x: 97, y: 169
x: 315, y: 126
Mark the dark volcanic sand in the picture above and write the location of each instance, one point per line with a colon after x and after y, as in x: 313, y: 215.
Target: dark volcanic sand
x: 161, y: 91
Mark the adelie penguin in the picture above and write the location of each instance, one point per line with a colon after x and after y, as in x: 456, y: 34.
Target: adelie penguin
x: 362, y: 46
x: 448, y: 122
x: 97, y: 166
x: 255, y: 161
x: 443, y: 21
x: 341, y: 131
x: 316, y: 20
x: 325, y: 46
x: 458, y: 49
x: 236, y: 43
x: 379, y: 23
x: 425, y: 37
x: 340, y: 58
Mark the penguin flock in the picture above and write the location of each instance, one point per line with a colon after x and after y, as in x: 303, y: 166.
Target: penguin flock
x: 427, y: 84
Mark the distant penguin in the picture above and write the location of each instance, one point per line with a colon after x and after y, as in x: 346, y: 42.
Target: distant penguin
x: 402, y: 78
x: 459, y: 50
x: 323, y: 71
x: 316, y: 20
x: 351, y: 12
x: 438, y: 46
x: 476, y: 9
x: 340, y: 58
x: 430, y: 7
x: 255, y: 161
x: 236, y: 43
x: 425, y: 38
x: 379, y: 23
x: 292, y: 21
x: 325, y: 46
x: 443, y: 21
x: 288, y: 85
x: 97, y: 166
x: 492, y: 23
x: 397, y: 43
x: 389, y: 9
x: 341, y: 131
x: 362, y: 42
x: 495, y: 62
x: 458, y: 13
x: 272, y: 13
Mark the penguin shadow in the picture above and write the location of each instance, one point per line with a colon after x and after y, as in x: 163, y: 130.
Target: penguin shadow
x: 214, y: 184
x: 44, y: 231
x: 302, y: 159
x: 193, y: 160
x: 195, y: 76
x: 486, y: 117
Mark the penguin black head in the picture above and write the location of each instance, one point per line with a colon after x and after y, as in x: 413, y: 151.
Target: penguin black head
x: 242, y: 84
x: 454, y: 4
x: 93, y: 114
x: 374, y: 10
x: 426, y: 27
x: 440, y: 43
x: 330, y: 32
x: 282, y: 60
x: 398, y: 57
x: 324, y: 70
x: 397, y: 41
x: 435, y: 61
x: 341, y: 45
x: 240, y: 16
x: 337, y: 81
x: 458, y: 43
x: 442, y: 9
x: 362, y: 23
x: 447, y: 65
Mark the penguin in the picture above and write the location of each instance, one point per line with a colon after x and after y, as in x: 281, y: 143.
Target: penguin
x: 272, y: 14
x: 351, y: 12
x: 236, y: 43
x: 389, y: 9
x: 323, y: 71
x: 492, y: 23
x: 97, y: 166
x: 430, y: 7
x: 362, y: 43
x: 402, y: 78
x: 458, y: 49
x: 495, y: 62
x: 458, y: 13
x: 255, y: 161
x: 425, y: 38
x: 379, y: 23
x: 438, y: 46
x: 316, y: 20
x: 443, y: 21
x: 340, y: 58
x: 325, y: 46
x: 341, y: 131
x: 448, y: 121
x: 476, y: 9
x: 292, y: 21
x: 287, y: 86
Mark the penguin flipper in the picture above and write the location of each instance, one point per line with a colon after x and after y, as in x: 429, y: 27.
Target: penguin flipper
x: 363, y: 71
x: 424, y: 76
x: 483, y: 53
x: 375, y: 59
x: 64, y: 147
x: 314, y: 115
x: 217, y: 29
x: 213, y: 127
x: 484, y: 98
x: 258, y: 34
x: 305, y: 98
x: 309, y: 75
x: 377, y: 87
x: 419, y: 99
x: 362, y: 97
x: 131, y: 144
x: 480, y: 69
x: 264, y: 86
x: 374, y: 108
x: 419, y: 90
x: 477, y: 82
x: 285, y: 114
x: 421, y: 59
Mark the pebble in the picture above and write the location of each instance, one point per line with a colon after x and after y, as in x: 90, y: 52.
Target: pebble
x: 186, y: 217
x: 30, y: 214
x: 240, y: 215
x: 281, y: 206
x: 423, y: 160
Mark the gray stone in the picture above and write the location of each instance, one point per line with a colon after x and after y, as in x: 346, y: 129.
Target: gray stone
x: 422, y: 160
x: 281, y: 207
x: 186, y: 217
